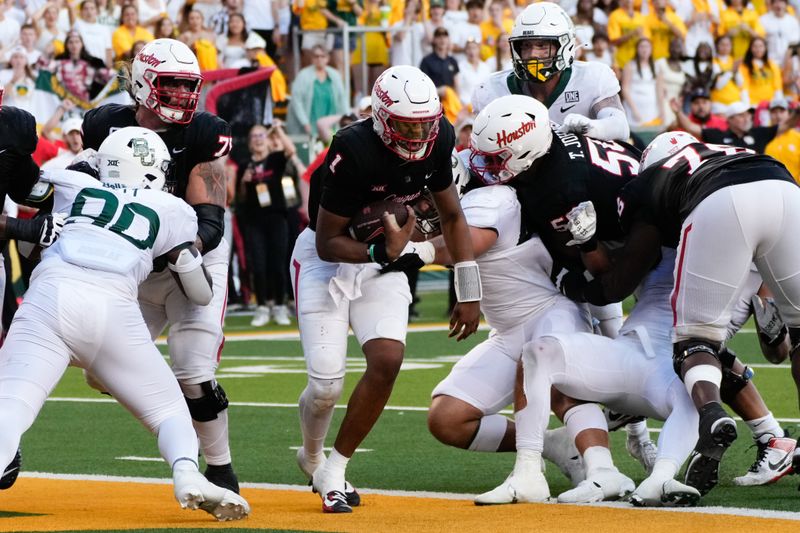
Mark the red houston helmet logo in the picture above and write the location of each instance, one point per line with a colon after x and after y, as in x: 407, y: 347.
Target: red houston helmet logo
x: 505, y: 138
x: 149, y: 59
x: 383, y: 96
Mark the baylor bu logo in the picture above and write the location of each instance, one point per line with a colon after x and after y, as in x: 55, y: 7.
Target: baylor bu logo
x: 505, y: 138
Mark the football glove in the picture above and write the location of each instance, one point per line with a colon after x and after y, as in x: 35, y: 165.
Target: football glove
x: 768, y: 319
x: 582, y: 223
x: 52, y: 224
x: 569, y: 283
x: 413, y: 257
x: 575, y: 123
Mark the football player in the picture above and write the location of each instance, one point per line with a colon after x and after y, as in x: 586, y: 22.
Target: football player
x: 19, y: 173
x: 696, y: 196
x: 165, y: 84
x: 114, y: 231
x: 583, y: 97
x: 520, y: 304
x: 402, y: 148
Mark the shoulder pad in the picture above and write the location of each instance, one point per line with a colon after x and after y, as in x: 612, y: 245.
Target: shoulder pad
x: 41, y: 191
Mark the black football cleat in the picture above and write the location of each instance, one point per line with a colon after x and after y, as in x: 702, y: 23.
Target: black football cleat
x: 222, y: 476
x: 11, y: 472
x: 717, y: 433
x: 335, y: 502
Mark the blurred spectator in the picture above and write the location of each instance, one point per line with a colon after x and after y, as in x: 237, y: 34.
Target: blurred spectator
x: 600, y: 50
x: 761, y: 77
x: 492, y: 27
x: 741, y: 24
x: 781, y: 30
x: 201, y: 40
x: 791, y: 73
x: 463, y: 131
x: 219, y: 20
x: 27, y: 40
x: 151, y: 11
x: 377, y: 53
x: 265, y: 225
x: 9, y: 28
x: 96, y: 37
x: 108, y: 14
x: 317, y: 91
x: 442, y: 69
x: 727, y: 86
x: 700, y: 18
x: 671, y: 79
x: 231, y: 46
x: 51, y: 36
x: 463, y: 32
x: 341, y: 13
x: 129, y: 32
x: 18, y: 80
x: 604, y: 10
x: 328, y: 126
x: 665, y: 27
x: 311, y: 13
x: 740, y: 130
x: 73, y: 143
x: 407, y: 44
x: 626, y: 27
x: 700, y: 68
x: 81, y: 74
x: 165, y: 29
x: 471, y: 72
x: 436, y: 20
x: 502, y: 59
x: 785, y: 147
x: 454, y: 14
x: 699, y: 111
x: 262, y: 17
x: 640, y: 89
x: 585, y: 24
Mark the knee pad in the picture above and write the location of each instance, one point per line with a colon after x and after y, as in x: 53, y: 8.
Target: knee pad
x: 683, y: 350
x: 210, y: 404
x: 323, y: 393
x: 732, y: 381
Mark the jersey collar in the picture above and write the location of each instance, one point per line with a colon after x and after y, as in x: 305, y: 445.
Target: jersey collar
x: 515, y: 85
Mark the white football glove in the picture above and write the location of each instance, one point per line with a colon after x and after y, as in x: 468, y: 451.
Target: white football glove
x: 582, y: 223
x: 575, y: 123
x: 414, y: 256
x: 768, y: 319
x: 51, y: 229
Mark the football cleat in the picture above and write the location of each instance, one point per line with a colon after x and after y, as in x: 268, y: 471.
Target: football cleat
x: 11, y: 472
x: 335, y: 502
x: 796, y: 458
x: 717, y: 433
x: 529, y: 487
x: 669, y: 493
x: 773, y: 461
x: 603, y: 484
x: 617, y: 420
x: 560, y: 449
x: 194, y: 491
x: 643, y: 451
x: 309, y: 465
x: 222, y: 476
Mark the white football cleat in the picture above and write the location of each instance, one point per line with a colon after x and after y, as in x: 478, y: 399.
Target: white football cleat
x: 560, y: 449
x: 643, y: 451
x: 659, y: 493
x: 603, y: 484
x: 773, y: 461
x: 529, y: 487
x: 194, y: 491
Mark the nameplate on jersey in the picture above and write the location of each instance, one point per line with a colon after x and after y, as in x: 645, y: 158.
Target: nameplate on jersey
x: 98, y: 254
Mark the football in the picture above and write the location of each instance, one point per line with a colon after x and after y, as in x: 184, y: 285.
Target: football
x: 367, y: 224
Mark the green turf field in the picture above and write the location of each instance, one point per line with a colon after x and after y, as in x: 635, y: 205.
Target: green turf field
x: 80, y: 431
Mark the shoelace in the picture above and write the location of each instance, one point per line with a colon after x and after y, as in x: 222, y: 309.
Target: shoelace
x: 338, y: 496
x: 761, y: 455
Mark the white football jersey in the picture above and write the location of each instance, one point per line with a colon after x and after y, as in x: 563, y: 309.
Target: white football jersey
x: 115, y: 230
x: 515, y: 278
x: 581, y: 87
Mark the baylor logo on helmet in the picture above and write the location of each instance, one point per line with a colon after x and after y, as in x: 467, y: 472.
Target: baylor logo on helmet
x: 142, y: 150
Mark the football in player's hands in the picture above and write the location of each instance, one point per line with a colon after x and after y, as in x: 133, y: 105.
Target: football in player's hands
x: 367, y: 224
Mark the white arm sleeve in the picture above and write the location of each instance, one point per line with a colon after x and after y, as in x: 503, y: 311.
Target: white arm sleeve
x: 193, y: 277
x: 610, y: 125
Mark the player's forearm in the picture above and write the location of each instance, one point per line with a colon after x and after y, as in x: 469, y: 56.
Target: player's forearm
x: 457, y: 237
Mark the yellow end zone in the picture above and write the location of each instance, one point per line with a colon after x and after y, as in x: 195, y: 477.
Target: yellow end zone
x: 99, y: 505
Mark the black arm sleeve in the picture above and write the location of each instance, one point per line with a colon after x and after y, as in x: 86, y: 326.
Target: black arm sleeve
x: 23, y: 173
x: 210, y: 225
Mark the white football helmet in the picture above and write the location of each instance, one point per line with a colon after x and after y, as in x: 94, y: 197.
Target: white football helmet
x: 460, y: 171
x: 542, y: 20
x: 509, y: 134
x: 665, y: 145
x: 134, y: 158
x: 165, y: 78
x: 406, y: 111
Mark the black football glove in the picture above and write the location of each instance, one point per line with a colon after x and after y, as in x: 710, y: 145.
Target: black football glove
x: 414, y: 256
x: 569, y: 283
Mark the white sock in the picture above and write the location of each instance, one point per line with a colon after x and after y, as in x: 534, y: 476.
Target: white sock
x: 638, y: 431
x: 177, y: 441
x: 664, y: 469
x: 334, y: 470
x: 597, y: 457
x: 765, y: 425
x: 528, y: 461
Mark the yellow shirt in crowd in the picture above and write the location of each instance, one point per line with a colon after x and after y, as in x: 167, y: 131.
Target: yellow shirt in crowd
x: 730, y: 92
x: 730, y: 19
x: 122, y: 40
x: 310, y: 12
x: 661, y: 33
x: 786, y: 149
x: 619, y: 24
x: 762, y: 84
x: 489, y: 34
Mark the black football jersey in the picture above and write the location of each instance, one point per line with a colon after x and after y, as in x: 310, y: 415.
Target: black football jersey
x: 575, y: 169
x: 359, y: 169
x: 665, y: 193
x: 206, y: 138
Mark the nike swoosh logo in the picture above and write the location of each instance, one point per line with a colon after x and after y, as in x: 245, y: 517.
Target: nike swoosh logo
x: 565, y: 109
x: 178, y: 150
x: 9, y: 471
x: 779, y: 464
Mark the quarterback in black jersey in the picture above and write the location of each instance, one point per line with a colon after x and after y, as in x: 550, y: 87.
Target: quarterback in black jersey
x: 404, y: 147
x: 165, y: 84
x: 724, y: 208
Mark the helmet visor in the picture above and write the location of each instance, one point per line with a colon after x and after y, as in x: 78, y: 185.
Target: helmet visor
x: 490, y: 166
x: 177, y: 92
